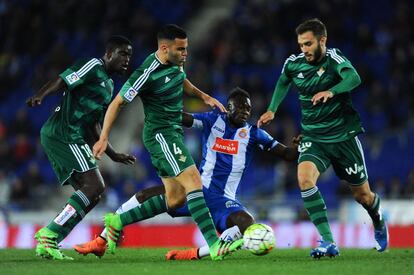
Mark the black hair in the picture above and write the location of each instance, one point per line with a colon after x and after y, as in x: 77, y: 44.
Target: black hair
x: 238, y: 93
x: 314, y: 25
x: 116, y: 41
x: 171, y: 32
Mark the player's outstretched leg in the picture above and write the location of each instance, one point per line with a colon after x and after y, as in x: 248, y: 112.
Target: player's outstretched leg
x: 47, y: 246
x: 324, y: 249
x: 97, y: 247
x: 221, y: 248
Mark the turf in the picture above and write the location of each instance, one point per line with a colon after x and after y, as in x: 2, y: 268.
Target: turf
x: 151, y: 261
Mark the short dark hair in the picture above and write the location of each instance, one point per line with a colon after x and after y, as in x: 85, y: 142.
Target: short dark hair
x: 116, y: 41
x: 171, y: 32
x: 238, y: 93
x: 314, y: 25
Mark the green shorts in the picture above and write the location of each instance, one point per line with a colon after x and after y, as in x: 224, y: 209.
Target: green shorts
x: 168, y: 153
x: 346, y: 157
x: 66, y: 158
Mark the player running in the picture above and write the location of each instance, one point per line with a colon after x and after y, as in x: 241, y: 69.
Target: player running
x: 330, y: 125
x: 228, y: 145
x: 160, y: 82
x: 88, y: 91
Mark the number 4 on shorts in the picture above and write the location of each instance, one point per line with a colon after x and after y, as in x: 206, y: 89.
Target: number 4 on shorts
x: 177, y: 149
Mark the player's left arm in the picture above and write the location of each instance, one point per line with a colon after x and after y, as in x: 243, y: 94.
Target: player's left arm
x: 94, y: 134
x: 190, y: 89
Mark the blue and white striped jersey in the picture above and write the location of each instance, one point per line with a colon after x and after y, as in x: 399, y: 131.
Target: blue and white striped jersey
x: 227, y: 151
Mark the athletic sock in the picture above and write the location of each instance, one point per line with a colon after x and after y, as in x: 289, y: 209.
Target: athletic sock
x: 201, y: 215
x: 74, y: 211
x: 128, y: 205
x: 374, y: 212
x: 148, y: 209
x: 316, y: 208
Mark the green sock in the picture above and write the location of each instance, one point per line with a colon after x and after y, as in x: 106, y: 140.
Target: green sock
x: 201, y: 215
x: 375, y: 213
x: 148, y: 209
x: 70, y: 216
x: 316, y: 208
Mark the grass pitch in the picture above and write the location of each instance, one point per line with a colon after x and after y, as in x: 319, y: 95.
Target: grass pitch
x: 151, y: 261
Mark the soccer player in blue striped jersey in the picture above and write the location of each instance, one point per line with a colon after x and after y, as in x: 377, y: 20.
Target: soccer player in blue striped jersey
x: 228, y: 145
x: 87, y: 87
x: 330, y: 125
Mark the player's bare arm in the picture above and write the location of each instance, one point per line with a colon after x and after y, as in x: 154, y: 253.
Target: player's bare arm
x: 188, y: 120
x: 190, y: 89
x: 289, y: 153
x: 110, y: 117
x: 50, y: 87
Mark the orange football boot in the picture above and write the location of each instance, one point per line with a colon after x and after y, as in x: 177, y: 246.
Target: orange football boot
x: 97, y: 246
x: 188, y: 254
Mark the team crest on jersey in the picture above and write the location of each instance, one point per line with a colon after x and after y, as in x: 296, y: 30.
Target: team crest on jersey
x: 321, y: 71
x: 72, y: 78
x: 226, y: 146
x: 130, y: 94
x: 243, y: 133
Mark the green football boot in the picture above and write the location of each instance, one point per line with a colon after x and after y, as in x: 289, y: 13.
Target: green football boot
x: 113, y: 226
x: 47, y: 246
x: 221, y: 248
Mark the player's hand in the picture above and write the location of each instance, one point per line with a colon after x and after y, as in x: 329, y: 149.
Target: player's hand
x: 34, y: 101
x: 322, y: 96
x: 296, y: 140
x: 214, y: 103
x: 124, y: 158
x: 99, y: 148
x: 265, y: 119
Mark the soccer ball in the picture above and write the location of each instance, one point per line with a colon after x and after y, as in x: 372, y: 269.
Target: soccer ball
x: 259, y: 239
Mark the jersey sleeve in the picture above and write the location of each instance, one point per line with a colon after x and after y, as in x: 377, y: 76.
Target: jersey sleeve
x: 132, y: 87
x: 80, y: 73
x: 204, y: 120
x: 264, y: 140
x: 339, y: 60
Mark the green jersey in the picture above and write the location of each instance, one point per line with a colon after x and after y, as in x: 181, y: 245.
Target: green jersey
x: 86, y: 98
x: 333, y: 121
x: 160, y: 87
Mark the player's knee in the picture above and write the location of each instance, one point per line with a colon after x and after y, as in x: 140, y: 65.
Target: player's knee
x: 305, y: 182
x: 175, y: 202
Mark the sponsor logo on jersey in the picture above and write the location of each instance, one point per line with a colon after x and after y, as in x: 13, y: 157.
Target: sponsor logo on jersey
x: 215, y: 127
x: 226, y: 146
x: 64, y: 216
x: 243, y: 133
x: 182, y: 158
x: 167, y: 79
x: 303, y: 146
x: 103, y: 84
x: 300, y: 75
x: 130, y: 94
x: 72, y: 78
x: 230, y: 204
x: 321, y: 71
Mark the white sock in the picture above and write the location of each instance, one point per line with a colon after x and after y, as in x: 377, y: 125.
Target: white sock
x: 131, y: 203
x: 230, y: 234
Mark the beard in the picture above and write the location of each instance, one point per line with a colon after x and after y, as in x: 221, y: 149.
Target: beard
x: 316, y: 55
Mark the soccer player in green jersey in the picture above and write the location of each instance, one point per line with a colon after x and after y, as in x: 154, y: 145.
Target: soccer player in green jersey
x: 330, y: 125
x: 65, y: 136
x: 160, y: 82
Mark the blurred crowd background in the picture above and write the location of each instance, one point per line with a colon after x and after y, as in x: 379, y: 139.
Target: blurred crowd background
x: 236, y: 43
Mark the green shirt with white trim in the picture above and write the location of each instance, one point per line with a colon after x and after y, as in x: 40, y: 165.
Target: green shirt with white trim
x: 86, y: 97
x: 160, y: 87
x: 333, y: 121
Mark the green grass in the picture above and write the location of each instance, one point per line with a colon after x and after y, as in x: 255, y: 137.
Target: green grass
x: 151, y: 261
